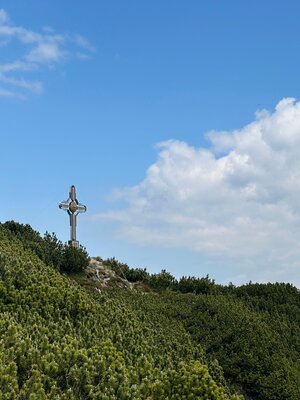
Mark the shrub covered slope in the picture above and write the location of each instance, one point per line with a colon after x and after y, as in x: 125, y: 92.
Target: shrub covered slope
x: 253, y: 330
x: 59, y: 341
x: 169, y: 339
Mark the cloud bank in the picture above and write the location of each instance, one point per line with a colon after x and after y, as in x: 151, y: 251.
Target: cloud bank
x: 238, y: 200
x: 37, y: 50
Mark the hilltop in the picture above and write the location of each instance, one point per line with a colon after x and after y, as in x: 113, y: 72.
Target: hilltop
x: 78, y: 328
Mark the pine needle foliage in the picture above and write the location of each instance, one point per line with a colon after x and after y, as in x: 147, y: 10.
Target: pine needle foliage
x: 48, y: 248
x: 252, y: 330
x: 61, y: 342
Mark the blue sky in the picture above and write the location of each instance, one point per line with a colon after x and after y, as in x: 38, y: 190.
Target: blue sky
x: 118, y: 98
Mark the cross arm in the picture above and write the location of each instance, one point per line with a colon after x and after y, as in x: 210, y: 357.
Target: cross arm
x: 81, y: 208
x: 64, y: 205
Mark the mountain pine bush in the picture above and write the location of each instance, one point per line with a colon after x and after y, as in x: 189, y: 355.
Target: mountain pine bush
x: 60, y: 342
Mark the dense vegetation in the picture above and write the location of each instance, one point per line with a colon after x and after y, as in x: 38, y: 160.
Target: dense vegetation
x: 49, y: 249
x: 170, y: 339
x: 163, y: 280
x: 59, y: 341
x: 253, y: 330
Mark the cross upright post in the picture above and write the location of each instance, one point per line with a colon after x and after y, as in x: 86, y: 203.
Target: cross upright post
x: 73, y: 208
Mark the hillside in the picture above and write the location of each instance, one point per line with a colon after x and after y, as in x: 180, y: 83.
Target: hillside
x: 60, y: 341
x: 112, y: 332
x: 253, y: 330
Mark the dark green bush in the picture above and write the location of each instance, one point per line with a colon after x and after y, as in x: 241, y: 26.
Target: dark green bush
x: 161, y: 281
x: 74, y: 259
x: 124, y: 271
x: 48, y: 248
x: 61, y: 342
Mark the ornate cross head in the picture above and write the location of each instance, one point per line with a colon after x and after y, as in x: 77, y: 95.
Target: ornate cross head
x: 72, y: 206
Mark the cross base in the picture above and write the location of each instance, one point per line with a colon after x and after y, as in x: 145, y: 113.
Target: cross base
x: 73, y: 243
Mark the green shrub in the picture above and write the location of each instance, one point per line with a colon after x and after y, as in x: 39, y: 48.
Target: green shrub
x: 74, y: 259
x: 49, y: 248
x: 61, y: 342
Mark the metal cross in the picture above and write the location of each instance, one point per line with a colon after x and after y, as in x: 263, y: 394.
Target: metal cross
x: 73, y: 208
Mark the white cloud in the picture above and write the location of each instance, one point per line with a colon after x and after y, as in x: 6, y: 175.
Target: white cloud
x: 3, y: 17
x: 236, y: 201
x: 17, y: 66
x: 33, y: 86
x: 11, y: 94
x: 38, y: 50
x: 83, y: 43
x: 46, y: 53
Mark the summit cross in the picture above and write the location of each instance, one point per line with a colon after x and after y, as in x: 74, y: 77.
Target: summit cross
x: 73, y: 208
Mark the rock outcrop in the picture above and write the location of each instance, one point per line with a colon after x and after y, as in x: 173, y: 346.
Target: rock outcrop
x: 101, y: 276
